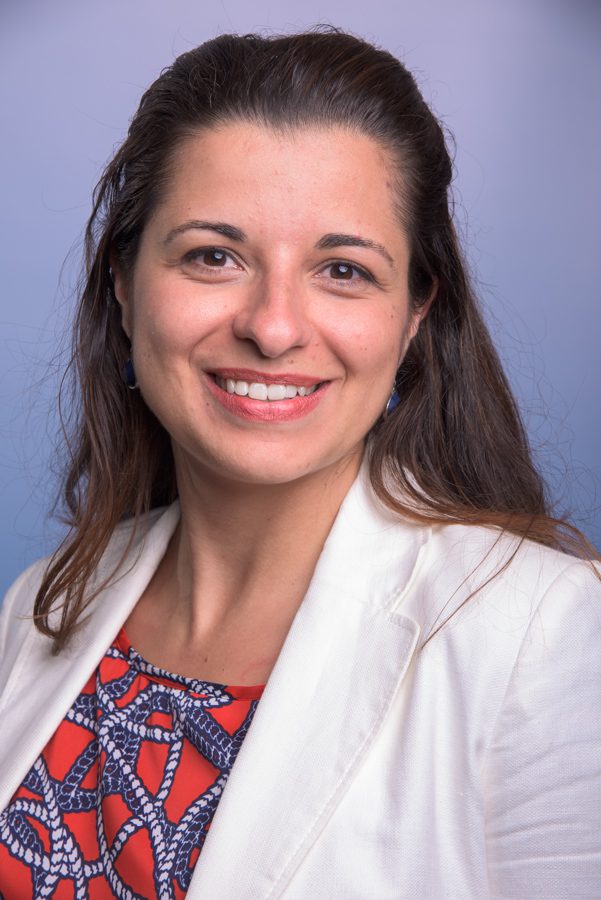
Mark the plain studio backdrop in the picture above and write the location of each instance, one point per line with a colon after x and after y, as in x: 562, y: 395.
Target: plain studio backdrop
x: 518, y: 82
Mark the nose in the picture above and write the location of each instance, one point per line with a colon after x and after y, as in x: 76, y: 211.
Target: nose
x: 274, y: 317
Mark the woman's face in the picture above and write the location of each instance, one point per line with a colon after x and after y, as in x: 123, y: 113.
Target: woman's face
x: 268, y: 308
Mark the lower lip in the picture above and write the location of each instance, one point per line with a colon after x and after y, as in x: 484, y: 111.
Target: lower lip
x: 267, y: 410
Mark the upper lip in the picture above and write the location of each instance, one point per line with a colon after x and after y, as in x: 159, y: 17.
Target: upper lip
x: 250, y: 375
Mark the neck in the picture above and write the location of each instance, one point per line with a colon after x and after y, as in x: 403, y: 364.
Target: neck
x: 248, y: 550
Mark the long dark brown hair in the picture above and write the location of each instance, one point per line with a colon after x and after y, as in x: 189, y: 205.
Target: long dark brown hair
x: 455, y: 449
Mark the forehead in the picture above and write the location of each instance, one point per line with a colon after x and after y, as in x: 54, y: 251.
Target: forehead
x: 295, y: 177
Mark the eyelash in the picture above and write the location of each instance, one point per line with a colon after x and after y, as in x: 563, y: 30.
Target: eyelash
x: 194, y: 256
x: 363, y: 274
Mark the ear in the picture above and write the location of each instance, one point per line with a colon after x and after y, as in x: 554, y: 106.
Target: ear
x: 421, y: 312
x: 121, y: 291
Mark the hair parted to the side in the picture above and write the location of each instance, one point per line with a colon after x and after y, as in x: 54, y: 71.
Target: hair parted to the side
x: 453, y: 451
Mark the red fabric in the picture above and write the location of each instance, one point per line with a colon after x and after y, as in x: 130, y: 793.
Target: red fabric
x: 133, y: 731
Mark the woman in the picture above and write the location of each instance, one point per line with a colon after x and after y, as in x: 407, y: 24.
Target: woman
x: 314, y: 509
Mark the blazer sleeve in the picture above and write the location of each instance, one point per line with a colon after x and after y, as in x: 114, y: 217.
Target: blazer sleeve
x: 16, y: 620
x: 542, y: 773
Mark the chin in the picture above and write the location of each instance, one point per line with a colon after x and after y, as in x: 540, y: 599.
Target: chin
x: 271, y: 472
x: 271, y: 469
x: 244, y: 460
x: 260, y: 468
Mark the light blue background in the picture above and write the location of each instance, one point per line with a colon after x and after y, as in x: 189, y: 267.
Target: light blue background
x: 517, y: 81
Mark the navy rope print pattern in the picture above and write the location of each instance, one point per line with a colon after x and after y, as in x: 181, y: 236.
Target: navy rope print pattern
x: 118, y: 733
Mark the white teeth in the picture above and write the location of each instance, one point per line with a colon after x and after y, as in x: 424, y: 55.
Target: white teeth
x: 276, y: 392
x: 258, y: 390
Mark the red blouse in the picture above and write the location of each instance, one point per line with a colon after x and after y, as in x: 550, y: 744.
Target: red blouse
x: 120, y: 800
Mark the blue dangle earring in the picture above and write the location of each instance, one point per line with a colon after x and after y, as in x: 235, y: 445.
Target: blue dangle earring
x: 129, y: 374
x: 393, y: 402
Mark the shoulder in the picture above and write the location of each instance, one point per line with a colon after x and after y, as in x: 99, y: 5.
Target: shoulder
x: 464, y: 573
x: 502, y: 615
x: 21, y: 594
x: 502, y: 568
x: 16, y: 612
x: 509, y: 655
x: 491, y: 605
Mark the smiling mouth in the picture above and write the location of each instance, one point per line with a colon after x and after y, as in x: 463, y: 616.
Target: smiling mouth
x: 258, y: 390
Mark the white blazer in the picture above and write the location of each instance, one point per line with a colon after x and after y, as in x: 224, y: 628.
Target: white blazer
x: 375, y: 769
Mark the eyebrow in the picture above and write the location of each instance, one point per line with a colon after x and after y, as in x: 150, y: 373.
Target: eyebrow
x: 328, y: 242
x: 331, y: 241
x: 229, y: 231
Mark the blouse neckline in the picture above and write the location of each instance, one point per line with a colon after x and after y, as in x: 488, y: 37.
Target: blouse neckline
x: 196, y: 686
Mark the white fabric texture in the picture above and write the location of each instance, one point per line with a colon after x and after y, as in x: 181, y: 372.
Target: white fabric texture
x: 377, y: 766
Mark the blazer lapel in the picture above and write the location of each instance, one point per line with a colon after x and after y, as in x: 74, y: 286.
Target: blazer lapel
x: 330, y: 690
x: 327, y: 697
x: 43, y: 687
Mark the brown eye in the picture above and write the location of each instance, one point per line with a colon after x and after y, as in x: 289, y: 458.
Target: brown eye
x: 342, y: 271
x: 346, y: 271
x: 199, y: 260
x: 214, y: 258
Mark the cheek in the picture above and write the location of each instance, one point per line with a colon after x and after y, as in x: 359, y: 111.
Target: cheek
x: 373, y: 347
x: 168, y: 321
x: 159, y: 339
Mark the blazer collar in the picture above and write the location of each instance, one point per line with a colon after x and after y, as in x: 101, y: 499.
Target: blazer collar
x: 330, y: 691
x: 42, y: 687
x: 326, y: 699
